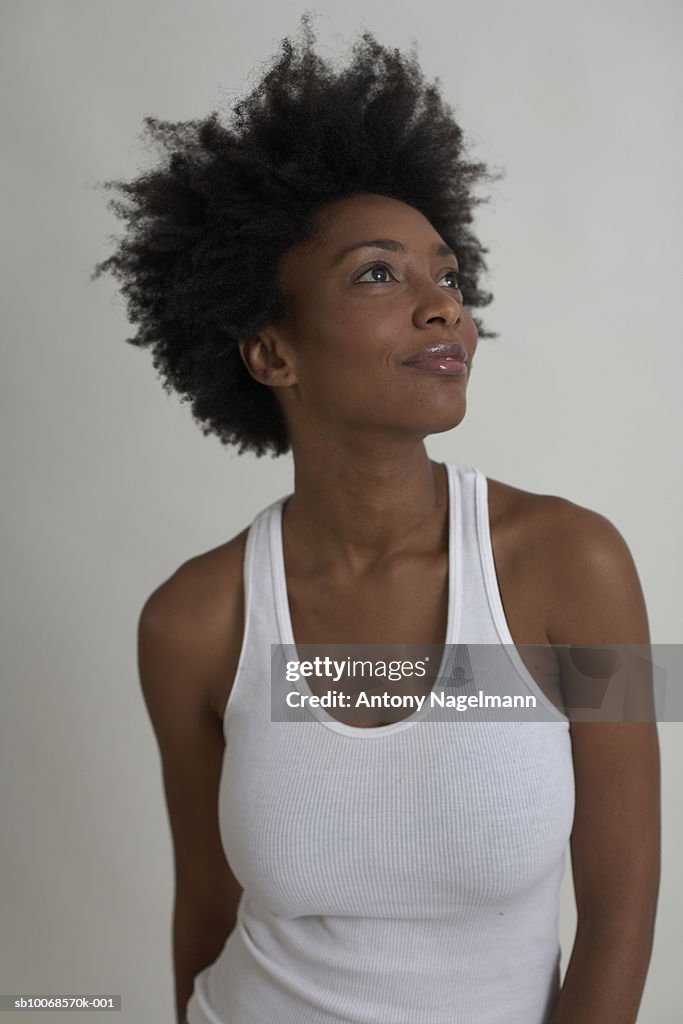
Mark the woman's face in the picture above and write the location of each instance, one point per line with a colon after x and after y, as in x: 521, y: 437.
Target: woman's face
x: 359, y: 313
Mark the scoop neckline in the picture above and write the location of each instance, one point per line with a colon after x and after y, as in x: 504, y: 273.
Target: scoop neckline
x: 452, y: 619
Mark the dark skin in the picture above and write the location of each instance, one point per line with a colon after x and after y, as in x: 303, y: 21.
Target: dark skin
x: 365, y: 543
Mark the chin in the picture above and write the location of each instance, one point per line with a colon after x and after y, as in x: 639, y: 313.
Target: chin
x: 442, y: 428
x: 441, y: 424
x: 447, y: 417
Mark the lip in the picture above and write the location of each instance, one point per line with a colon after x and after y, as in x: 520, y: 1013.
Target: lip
x: 442, y: 357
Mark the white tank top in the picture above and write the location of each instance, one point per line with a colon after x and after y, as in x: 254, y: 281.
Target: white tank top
x: 406, y: 874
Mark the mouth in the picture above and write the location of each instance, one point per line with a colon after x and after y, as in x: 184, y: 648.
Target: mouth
x: 448, y: 358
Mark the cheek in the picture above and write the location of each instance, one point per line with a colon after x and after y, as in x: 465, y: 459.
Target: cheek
x: 468, y: 329
x: 347, y: 369
x: 357, y: 338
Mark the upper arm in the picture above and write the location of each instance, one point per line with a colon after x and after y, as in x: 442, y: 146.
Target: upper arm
x: 596, y: 598
x: 181, y: 649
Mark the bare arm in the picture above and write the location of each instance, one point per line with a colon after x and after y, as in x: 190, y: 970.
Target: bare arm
x: 615, y: 842
x: 185, y: 642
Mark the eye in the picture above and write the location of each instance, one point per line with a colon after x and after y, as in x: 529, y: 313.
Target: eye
x: 454, y: 275
x: 386, y: 269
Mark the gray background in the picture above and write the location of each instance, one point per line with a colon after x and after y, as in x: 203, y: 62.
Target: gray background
x: 109, y: 485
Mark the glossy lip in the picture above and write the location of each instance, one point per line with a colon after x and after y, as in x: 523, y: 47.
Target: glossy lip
x: 446, y: 350
x: 441, y: 367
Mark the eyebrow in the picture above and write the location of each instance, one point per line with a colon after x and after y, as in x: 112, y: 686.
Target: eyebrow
x: 438, y: 249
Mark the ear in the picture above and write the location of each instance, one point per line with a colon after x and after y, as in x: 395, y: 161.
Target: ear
x: 268, y: 359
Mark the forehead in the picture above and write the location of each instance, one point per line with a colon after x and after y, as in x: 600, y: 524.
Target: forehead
x: 369, y: 215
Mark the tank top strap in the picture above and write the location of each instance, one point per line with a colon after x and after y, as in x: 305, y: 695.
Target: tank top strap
x: 464, y: 518
x: 467, y: 573
x: 249, y: 695
x: 259, y: 586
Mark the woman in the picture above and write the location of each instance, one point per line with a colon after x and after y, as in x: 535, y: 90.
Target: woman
x: 305, y: 277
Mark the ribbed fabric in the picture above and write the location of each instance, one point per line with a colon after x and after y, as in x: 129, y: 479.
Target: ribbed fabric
x: 407, y: 874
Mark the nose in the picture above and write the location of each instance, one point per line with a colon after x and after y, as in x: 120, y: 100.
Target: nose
x: 435, y: 302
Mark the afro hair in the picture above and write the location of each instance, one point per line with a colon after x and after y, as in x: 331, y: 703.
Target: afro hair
x: 206, y: 229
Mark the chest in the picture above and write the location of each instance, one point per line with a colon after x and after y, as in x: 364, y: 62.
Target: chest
x: 407, y: 603
x: 420, y: 824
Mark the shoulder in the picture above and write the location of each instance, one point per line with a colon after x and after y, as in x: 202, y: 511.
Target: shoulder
x: 581, y: 563
x: 543, y: 514
x: 200, y: 590
x: 195, y: 616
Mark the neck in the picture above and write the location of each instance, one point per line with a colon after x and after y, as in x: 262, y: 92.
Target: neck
x: 356, y: 509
